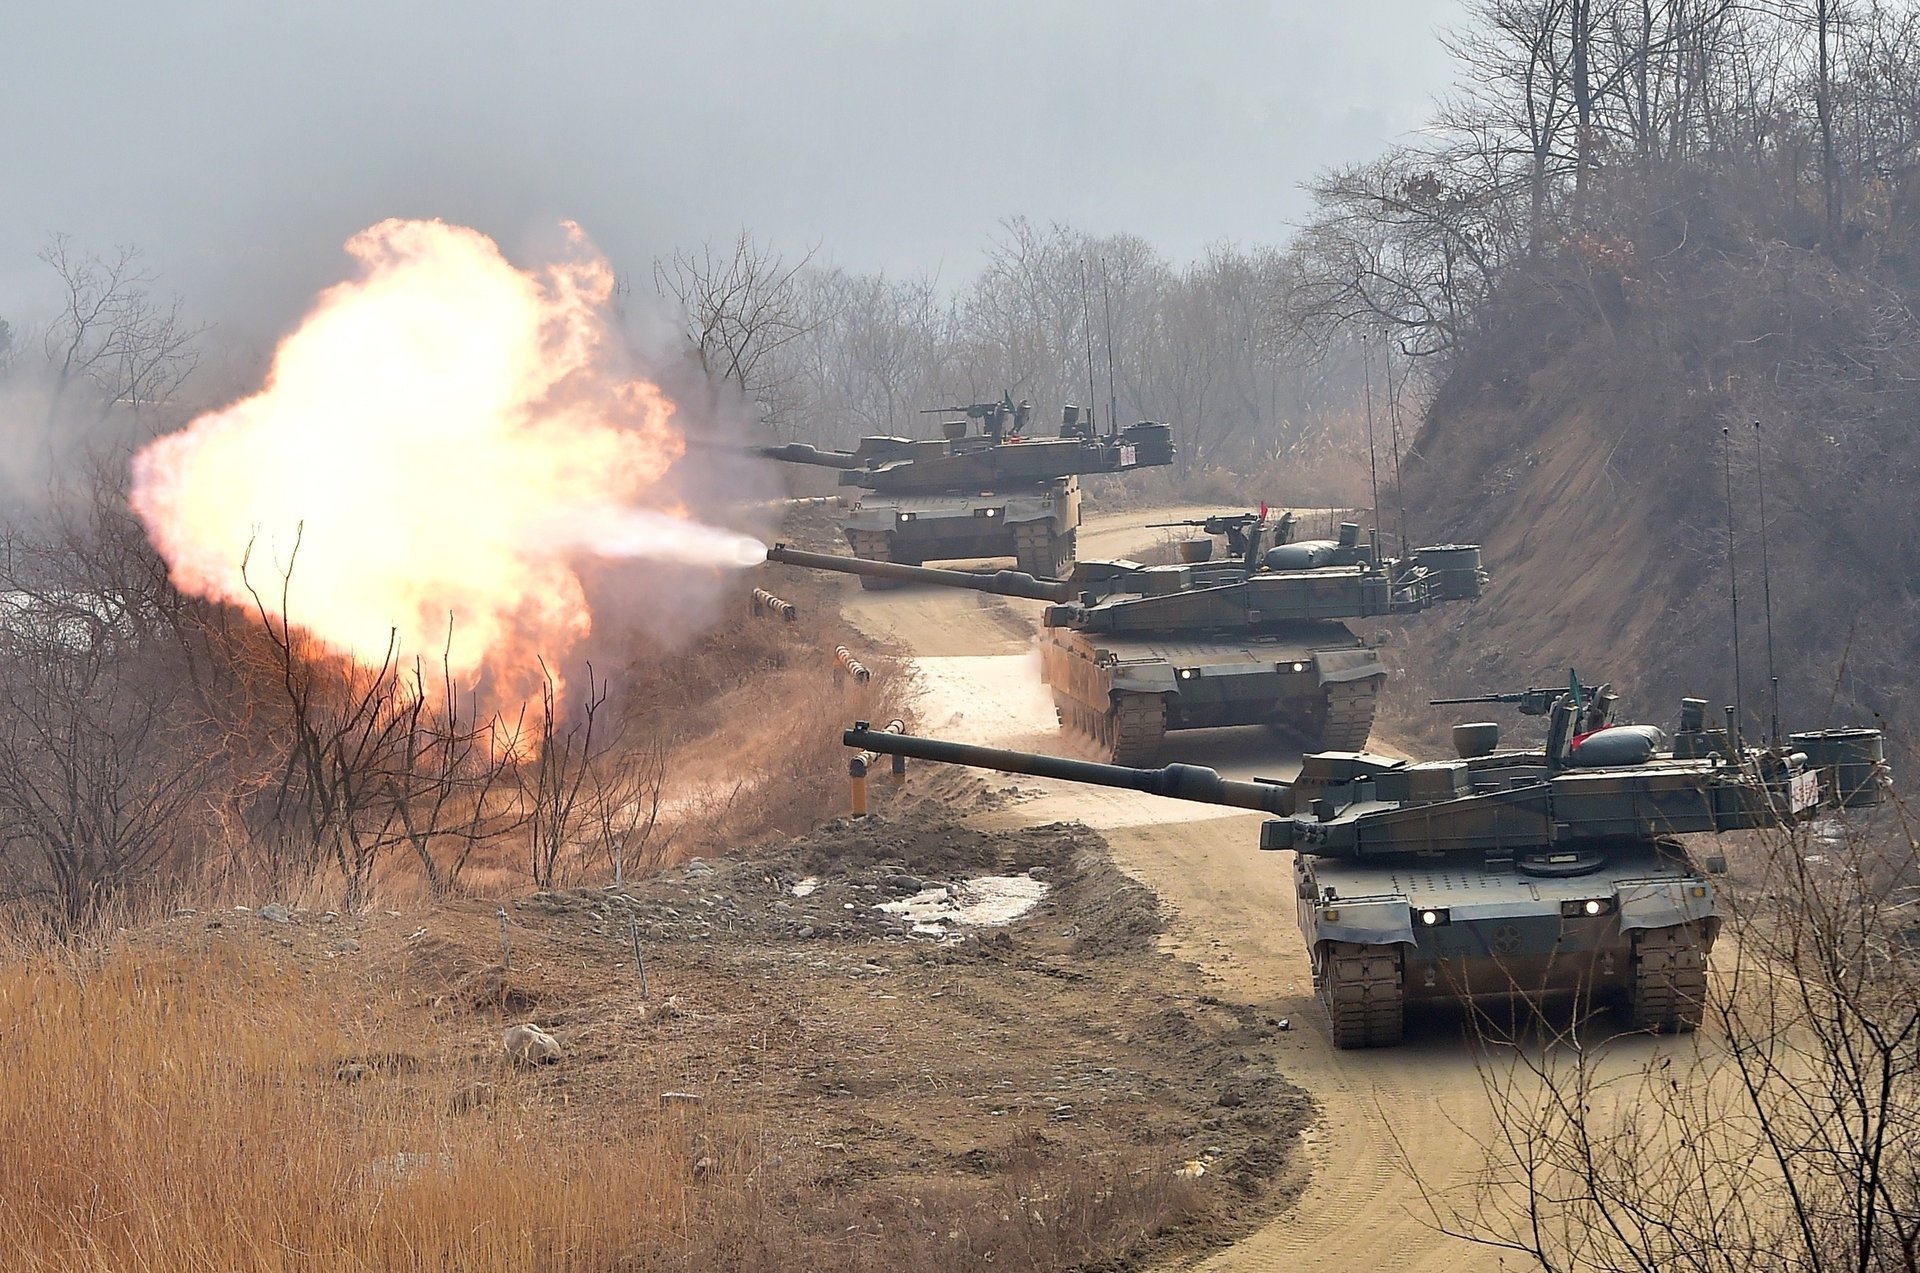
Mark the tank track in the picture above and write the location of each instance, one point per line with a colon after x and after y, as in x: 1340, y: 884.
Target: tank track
x: 1669, y: 992
x: 1361, y: 987
x: 1349, y: 715
x: 1128, y: 733
x: 1041, y: 553
x: 874, y: 545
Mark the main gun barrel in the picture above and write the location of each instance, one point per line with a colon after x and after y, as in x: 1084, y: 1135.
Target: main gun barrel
x: 1005, y: 583
x: 802, y: 453
x: 1177, y: 782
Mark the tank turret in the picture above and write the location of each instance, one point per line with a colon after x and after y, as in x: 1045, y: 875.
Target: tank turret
x: 1507, y: 874
x: 1131, y: 651
x: 972, y: 463
x: 998, y: 492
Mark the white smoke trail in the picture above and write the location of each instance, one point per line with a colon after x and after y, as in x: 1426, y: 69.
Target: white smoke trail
x: 612, y: 531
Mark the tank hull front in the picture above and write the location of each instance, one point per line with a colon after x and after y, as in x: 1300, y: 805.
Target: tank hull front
x: 1312, y: 679
x: 965, y: 527
x: 1459, y: 928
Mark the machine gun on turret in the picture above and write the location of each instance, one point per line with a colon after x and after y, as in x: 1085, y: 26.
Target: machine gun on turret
x: 1248, y: 535
x: 998, y: 420
x: 1529, y: 702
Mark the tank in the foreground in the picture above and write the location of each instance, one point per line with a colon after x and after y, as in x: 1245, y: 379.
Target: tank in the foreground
x: 1254, y: 636
x: 1000, y: 492
x: 1505, y: 875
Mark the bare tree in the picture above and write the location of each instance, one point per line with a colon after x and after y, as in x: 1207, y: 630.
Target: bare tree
x: 625, y: 791
x: 1782, y: 1137
x: 107, y: 755
x: 448, y: 783
x: 741, y: 306
x: 101, y: 770
x: 558, y: 752
x: 112, y: 334
x: 1408, y: 245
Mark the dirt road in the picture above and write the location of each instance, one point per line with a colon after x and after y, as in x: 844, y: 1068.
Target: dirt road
x: 1233, y: 915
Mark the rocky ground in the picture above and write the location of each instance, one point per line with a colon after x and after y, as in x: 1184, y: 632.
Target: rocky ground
x: 810, y: 1003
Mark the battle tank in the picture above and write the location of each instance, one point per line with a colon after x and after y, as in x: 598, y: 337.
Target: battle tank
x: 965, y: 495
x: 1504, y: 876
x: 1132, y: 651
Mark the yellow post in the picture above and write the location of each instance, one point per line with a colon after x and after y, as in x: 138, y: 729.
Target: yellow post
x: 857, y: 773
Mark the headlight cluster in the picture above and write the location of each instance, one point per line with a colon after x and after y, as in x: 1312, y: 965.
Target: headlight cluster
x: 1432, y: 916
x: 1586, y: 908
x: 906, y: 517
x: 1187, y: 673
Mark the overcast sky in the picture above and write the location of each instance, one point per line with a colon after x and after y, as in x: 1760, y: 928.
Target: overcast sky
x: 240, y: 142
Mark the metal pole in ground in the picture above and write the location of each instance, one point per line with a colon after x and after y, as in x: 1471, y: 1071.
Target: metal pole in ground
x: 639, y: 964
x: 857, y: 773
x: 506, y: 950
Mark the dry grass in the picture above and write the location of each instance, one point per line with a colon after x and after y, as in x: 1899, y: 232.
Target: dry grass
x: 182, y: 1112
x: 183, y: 1109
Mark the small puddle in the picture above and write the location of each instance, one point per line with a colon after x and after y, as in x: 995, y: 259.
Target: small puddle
x: 986, y: 901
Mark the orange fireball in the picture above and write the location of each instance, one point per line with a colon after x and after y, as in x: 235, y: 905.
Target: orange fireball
x: 435, y: 444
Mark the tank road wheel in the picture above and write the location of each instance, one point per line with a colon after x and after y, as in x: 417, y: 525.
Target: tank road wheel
x: 1066, y: 552
x: 873, y: 545
x: 1669, y: 992
x: 1133, y: 728
x: 1066, y: 712
x: 1346, y: 716
x: 1041, y: 553
x: 1360, y: 987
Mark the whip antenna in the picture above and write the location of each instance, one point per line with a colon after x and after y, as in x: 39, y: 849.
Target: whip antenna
x: 1766, y: 581
x: 1373, y: 463
x: 1086, y: 307
x: 1106, y: 307
x: 1733, y: 580
x: 1393, y: 410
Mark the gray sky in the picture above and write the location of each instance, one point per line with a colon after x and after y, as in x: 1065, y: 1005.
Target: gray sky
x: 240, y: 142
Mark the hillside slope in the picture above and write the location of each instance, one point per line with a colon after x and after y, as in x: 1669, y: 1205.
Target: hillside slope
x: 1586, y: 442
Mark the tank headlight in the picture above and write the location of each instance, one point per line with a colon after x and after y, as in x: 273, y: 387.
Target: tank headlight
x: 1299, y: 667
x: 1697, y: 890
x: 1187, y: 673
x: 906, y: 517
x: 989, y: 512
x: 1434, y: 916
x: 1586, y: 908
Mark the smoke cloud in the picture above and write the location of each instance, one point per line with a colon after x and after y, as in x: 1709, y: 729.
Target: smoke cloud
x: 436, y: 446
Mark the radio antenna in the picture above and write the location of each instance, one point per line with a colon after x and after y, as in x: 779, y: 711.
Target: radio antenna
x: 1086, y: 307
x: 1393, y: 415
x: 1106, y: 306
x: 1766, y: 581
x: 1373, y: 463
x: 1733, y: 582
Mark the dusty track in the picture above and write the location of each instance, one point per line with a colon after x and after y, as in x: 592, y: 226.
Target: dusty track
x: 1232, y: 908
